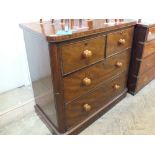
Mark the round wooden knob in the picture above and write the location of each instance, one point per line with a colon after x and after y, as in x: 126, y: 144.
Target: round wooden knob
x: 86, y: 81
x: 87, y: 54
x: 119, y: 64
x: 116, y: 86
x: 87, y: 107
x: 121, y: 41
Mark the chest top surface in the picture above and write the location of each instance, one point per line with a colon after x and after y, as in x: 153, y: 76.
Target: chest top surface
x: 60, y: 30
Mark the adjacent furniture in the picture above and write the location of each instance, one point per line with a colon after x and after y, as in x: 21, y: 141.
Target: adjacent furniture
x: 142, y: 67
x: 78, y: 68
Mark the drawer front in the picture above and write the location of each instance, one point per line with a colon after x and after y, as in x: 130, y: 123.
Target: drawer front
x: 82, y: 81
x: 86, y: 105
x: 147, y: 63
x: 145, y: 78
x: 119, y: 41
x: 80, y: 54
x: 149, y: 48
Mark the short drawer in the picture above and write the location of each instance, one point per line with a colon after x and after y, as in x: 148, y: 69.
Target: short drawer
x: 147, y: 63
x: 84, y: 80
x: 119, y: 41
x: 145, y: 78
x: 79, y: 54
x: 85, y: 106
x: 149, y: 48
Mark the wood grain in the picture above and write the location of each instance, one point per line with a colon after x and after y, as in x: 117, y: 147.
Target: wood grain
x: 147, y: 63
x: 113, y: 45
x: 72, y: 54
x: 96, y: 99
x: 48, y: 32
x: 149, y: 48
x: 98, y: 74
x: 145, y: 78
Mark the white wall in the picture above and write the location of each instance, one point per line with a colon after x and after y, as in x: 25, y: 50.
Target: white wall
x: 13, y: 63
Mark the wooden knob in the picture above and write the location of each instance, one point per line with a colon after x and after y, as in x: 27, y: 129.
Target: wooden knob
x: 119, y: 64
x: 87, y: 107
x: 116, y: 86
x: 121, y: 41
x: 86, y: 81
x: 87, y: 54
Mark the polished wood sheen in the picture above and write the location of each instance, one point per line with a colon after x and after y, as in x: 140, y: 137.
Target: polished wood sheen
x: 79, y: 54
x: 49, y: 32
x: 82, y: 67
x: 75, y: 111
x: 97, y: 73
x: 118, y: 41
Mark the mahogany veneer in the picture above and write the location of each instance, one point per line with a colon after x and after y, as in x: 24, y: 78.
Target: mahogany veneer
x: 77, y: 77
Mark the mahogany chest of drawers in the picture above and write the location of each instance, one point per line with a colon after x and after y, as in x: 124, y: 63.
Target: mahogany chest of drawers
x: 142, y: 67
x: 77, y: 77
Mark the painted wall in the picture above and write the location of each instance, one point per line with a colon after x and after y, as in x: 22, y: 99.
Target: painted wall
x: 13, y: 62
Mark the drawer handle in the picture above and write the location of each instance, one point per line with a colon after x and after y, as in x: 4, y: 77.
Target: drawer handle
x: 87, y: 107
x: 86, y: 81
x: 116, y: 87
x: 87, y: 54
x: 121, y: 41
x: 119, y: 64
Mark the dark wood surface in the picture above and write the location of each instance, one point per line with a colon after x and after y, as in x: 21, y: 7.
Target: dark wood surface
x: 147, y: 63
x: 142, y: 58
x: 48, y: 31
x: 73, y: 53
x: 114, y: 41
x: 41, y: 75
x: 58, y: 85
x: 97, y: 73
x: 95, y: 84
x: 82, y: 125
x: 145, y: 78
x: 149, y: 48
x: 75, y: 111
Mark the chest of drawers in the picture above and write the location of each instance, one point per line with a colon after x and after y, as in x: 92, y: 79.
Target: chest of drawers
x: 77, y: 77
x: 142, y: 67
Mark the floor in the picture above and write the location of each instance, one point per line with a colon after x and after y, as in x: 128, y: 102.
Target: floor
x: 15, y: 98
x: 133, y: 115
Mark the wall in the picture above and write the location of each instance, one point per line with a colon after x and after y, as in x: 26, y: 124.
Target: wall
x: 13, y: 63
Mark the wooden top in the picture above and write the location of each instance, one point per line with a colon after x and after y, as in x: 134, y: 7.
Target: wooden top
x: 52, y: 30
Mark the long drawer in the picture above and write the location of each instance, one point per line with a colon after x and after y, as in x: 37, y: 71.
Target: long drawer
x: 83, y: 81
x: 118, y: 41
x: 86, y: 105
x: 80, y: 54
